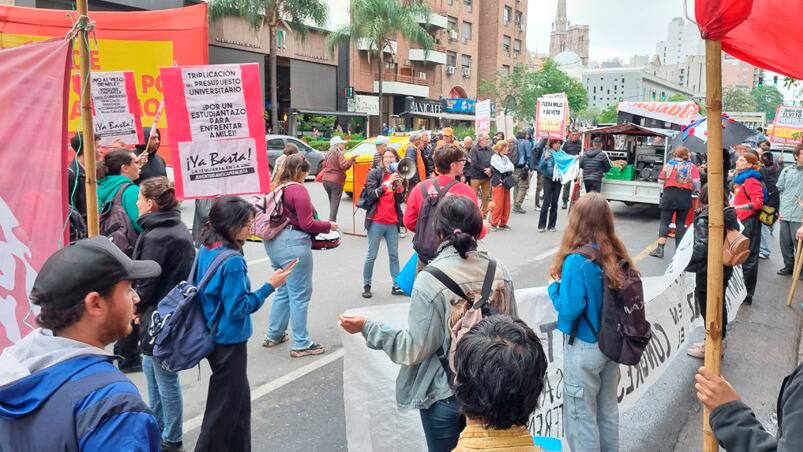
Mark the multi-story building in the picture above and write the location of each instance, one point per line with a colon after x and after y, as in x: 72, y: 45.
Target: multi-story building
x: 689, y: 73
x: 608, y: 86
x: 566, y: 37
x: 502, y: 34
x: 682, y: 40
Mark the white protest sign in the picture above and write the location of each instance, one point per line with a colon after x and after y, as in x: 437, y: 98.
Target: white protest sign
x: 116, y: 108
x: 208, y: 164
x: 482, y: 117
x: 215, y: 102
x: 551, y: 115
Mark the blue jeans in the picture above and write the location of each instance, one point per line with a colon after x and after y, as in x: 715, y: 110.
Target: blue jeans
x: 442, y: 425
x: 164, y: 398
x: 590, y: 409
x: 766, y: 240
x: 291, y: 301
x: 375, y: 233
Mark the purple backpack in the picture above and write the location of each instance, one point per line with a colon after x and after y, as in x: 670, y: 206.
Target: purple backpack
x: 624, y: 330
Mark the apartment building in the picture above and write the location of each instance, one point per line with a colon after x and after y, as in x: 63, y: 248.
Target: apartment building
x: 503, y: 37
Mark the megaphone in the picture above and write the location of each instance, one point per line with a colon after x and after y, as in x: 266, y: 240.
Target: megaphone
x: 405, y: 168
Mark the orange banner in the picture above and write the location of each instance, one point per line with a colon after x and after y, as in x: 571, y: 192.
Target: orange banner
x: 141, y: 42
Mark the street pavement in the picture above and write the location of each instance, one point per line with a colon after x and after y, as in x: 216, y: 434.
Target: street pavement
x: 298, y: 402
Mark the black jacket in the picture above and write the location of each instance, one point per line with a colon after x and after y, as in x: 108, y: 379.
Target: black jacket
x: 594, y: 164
x: 154, y: 168
x: 76, y: 183
x: 427, y: 157
x: 770, y: 179
x: 572, y: 147
x: 373, y: 191
x: 480, y: 161
x: 167, y: 241
x: 736, y: 428
x: 699, y: 255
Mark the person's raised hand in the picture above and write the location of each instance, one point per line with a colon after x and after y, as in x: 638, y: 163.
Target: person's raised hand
x: 712, y: 389
x: 278, y: 277
x: 352, y: 323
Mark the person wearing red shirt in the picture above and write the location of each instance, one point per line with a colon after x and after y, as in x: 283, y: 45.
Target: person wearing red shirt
x: 681, y: 179
x: 748, y: 199
x: 384, y: 194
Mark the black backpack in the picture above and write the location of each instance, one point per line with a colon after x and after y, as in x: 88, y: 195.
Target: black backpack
x: 116, y: 225
x: 426, y: 241
x: 624, y: 330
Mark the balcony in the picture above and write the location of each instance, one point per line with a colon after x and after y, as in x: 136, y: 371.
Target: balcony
x: 434, y: 20
x: 365, y: 44
x: 403, y: 85
x: 435, y: 55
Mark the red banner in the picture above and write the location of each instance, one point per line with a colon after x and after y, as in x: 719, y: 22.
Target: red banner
x: 217, y: 119
x: 141, y: 42
x: 33, y: 102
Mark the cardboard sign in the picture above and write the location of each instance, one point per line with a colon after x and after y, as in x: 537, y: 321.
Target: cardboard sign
x: 788, y: 123
x: 116, y: 113
x: 482, y: 118
x: 216, y: 118
x: 551, y: 116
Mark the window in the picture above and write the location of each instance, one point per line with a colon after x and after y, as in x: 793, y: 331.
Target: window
x: 466, y: 30
x: 469, y: 5
x: 450, y: 2
x: 506, y: 13
x: 506, y: 44
x: 519, y: 22
x: 466, y: 61
x: 275, y: 144
x: 452, y: 23
x: 595, y: 90
x: 451, y: 58
x: 516, y: 47
x: 505, y: 69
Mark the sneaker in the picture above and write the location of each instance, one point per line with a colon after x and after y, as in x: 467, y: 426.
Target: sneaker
x: 552, y: 230
x: 366, y: 291
x: 786, y: 271
x: 270, y: 344
x: 403, y: 232
x: 541, y: 230
x: 763, y: 256
x: 314, y: 349
x: 697, y: 350
x: 564, y: 206
x: 396, y: 290
x: 494, y: 229
x: 172, y: 447
x: 505, y: 228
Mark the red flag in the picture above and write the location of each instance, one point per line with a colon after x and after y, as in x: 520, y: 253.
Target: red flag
x: 33, y: 128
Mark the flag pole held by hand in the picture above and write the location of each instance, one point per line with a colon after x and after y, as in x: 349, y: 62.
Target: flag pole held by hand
x: 796, y: 272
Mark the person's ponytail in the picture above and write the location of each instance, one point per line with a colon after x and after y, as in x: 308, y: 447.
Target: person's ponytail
x: 458, y: 221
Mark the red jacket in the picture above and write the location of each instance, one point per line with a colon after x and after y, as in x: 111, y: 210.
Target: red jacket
x: 415, y: 199
x: 750, y: 191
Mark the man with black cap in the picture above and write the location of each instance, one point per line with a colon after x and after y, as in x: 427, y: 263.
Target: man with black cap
x: 58, y: 387
x: 155, y: 164
x: 594, y: 164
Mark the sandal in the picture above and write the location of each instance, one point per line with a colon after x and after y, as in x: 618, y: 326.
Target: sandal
x: 269, y: 343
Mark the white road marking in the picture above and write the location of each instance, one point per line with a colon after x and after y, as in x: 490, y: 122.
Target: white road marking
x: 258, y: 261
x: 267, y: 388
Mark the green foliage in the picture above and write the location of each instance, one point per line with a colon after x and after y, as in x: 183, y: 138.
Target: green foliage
x: 609, y: 115
x: 323, y: 123
x: 323, y: 145
x: 767, y: 99
x: 677, y: 97
x: 589, y: 115
x: 526, y: 86
x: 737, y: 99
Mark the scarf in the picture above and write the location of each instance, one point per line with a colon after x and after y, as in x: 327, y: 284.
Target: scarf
x: 683, y: 171
x: 744, y: 175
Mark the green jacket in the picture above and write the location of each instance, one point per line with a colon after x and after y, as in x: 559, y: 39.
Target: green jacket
x: 422, y: 379
x: 790, y: 185
x: 107, y: 188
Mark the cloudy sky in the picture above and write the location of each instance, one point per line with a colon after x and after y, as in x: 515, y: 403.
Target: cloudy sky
x: 618, y: 27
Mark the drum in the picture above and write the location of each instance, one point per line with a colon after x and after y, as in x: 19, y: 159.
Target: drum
x: 326, y: 241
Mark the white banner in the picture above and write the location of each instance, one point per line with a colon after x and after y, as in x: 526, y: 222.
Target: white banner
x: 681, y: 113
x: 209, y: 168
x: 364, y: 104
x: 116, y: 111
x: 551, y: 116
x: 374, y: 423
x: 222, y: 115
x: 482, y: 117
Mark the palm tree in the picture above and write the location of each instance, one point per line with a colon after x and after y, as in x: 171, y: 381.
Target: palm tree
x: 373, y: 21
x: 295, y: 14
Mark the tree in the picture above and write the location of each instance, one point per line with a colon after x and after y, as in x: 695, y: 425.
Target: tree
x: 610, y: 114
x: 677, y: 97
x: 767, y: 99
x: 271, y: 14
x: 737, y: 99
x: 373, y: 22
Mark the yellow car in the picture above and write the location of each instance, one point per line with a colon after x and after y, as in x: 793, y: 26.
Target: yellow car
x: 365, y: 154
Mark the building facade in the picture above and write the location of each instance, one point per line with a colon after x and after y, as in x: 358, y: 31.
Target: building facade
x: 566, y: 37
x: 502, y: 37
x: 609, y: 86
x: 682, y: 40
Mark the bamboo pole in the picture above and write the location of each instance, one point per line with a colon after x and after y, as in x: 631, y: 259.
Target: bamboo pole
x: 88, y: 142
x: 796, y: 272
x: 713, y: 327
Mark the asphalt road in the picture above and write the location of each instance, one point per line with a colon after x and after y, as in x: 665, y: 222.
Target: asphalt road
x: 298, y: 403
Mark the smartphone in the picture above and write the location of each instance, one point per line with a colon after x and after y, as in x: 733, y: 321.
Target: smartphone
x: 291, y: 264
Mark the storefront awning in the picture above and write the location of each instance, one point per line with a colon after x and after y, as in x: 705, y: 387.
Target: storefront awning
x: 327, y: 113
x: 452, y: 116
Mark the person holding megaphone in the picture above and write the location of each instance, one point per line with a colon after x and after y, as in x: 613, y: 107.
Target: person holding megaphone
x: 383, y: 195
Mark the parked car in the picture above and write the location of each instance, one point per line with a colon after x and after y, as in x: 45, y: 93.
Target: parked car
x: 365, y: 154
x: 276, y: 145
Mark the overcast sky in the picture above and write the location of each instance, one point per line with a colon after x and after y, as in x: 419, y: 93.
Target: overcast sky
x: 618, y: 27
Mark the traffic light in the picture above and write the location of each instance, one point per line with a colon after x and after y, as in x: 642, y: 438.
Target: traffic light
x: 348, y: 92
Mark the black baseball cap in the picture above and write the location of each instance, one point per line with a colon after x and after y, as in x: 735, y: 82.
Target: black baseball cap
x: 90, y: 265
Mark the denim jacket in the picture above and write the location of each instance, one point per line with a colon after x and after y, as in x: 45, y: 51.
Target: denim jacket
x: 422, y: 380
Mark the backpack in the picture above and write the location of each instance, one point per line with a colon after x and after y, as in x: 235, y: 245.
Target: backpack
x: 624, y: 330
x: 115, y: 223
x: 78, y: 228
x: 271, y: 218
x: 735, y: 249
x: 426, y: 241
x: 177, y: 329
x: 479, y: 309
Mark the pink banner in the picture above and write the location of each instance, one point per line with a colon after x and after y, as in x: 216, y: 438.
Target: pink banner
x: 216, y: 120
x: 33, y: 124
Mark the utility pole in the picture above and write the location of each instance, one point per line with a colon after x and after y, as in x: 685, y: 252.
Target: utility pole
x: 88, y: 134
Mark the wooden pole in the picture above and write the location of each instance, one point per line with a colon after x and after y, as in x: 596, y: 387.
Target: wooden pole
x: 716, y: 229
x: 88, y: 142
x: 796, y: 271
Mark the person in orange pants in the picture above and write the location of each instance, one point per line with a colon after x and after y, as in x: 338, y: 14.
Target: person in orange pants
x: 501, y: 181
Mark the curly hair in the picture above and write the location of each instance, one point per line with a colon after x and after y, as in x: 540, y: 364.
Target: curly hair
x: 57, y: 318
x: 501, y: 367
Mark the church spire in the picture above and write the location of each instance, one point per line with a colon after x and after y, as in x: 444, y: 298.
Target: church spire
x: 561, y: 21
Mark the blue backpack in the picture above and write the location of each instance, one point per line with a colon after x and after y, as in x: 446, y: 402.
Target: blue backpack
x: 177, y: 329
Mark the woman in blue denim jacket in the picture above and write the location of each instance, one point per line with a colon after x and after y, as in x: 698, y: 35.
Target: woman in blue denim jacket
x: 590, y: 410
x: 422, y: 383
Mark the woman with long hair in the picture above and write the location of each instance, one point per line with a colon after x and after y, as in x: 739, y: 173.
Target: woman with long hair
x: 294, y: 244
x: 590, y: 379
x: 228, y: 302
x: 423, y: 383
x: 748, y: 199
x: 165, y: 240
x: 681, y: 179
x: 384, y: 193
x: 501, y: 170
x: 549, y: 208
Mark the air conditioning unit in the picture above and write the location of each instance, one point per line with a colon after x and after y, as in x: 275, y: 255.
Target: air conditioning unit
x: 450, y: 70
x: 466, y: 72
x: 453, y: 35
x: 422, y: 75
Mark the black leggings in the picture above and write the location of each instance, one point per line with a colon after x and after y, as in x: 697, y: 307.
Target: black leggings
x: 680, y: 223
